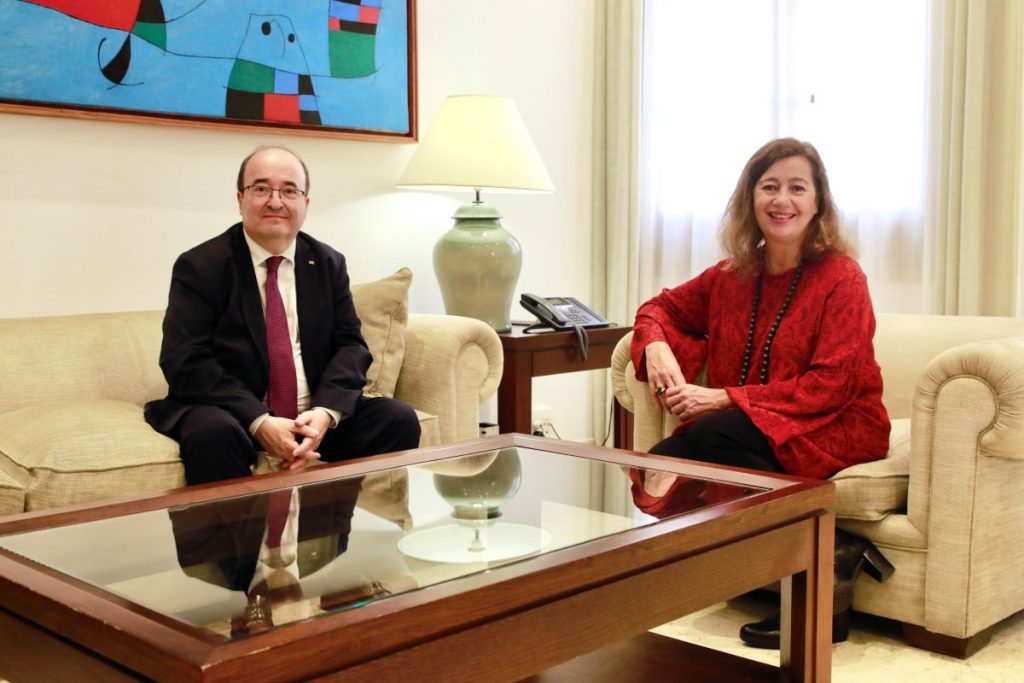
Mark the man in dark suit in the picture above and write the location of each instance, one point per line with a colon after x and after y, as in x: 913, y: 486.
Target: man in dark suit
x: 264, y: 353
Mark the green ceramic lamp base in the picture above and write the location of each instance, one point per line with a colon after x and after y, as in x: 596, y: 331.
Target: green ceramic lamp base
x: 477, y: 264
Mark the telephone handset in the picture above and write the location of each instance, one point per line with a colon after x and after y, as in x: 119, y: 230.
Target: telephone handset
x: 562, y: 313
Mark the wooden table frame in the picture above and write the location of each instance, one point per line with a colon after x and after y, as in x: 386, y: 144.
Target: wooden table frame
x: 553, y: 353
x: 501, y: 625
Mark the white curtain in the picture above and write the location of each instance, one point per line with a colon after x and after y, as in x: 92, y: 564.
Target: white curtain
x: 975, y: 256
x: 722, y: 78
x: 617, y: 158
x: 616, y: 227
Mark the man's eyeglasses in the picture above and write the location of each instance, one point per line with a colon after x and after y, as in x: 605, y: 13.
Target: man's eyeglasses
x: 264, y: 192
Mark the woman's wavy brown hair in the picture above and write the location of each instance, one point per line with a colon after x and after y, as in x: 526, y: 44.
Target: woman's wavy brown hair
x: 740, y: 234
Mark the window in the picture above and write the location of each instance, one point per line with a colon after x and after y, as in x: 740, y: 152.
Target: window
x: 722, y: 78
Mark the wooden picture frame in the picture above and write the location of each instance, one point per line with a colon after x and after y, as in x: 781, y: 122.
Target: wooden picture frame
x: 332, y: 68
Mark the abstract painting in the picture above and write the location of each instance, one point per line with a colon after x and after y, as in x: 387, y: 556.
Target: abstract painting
x: 325, y: 67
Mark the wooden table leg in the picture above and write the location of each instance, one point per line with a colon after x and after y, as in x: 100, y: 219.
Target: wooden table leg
x: 622, y: 423
x: 807, y: 610
x: 515, y: 394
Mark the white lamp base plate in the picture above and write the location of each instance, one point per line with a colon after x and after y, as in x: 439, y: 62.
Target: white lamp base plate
x: 452, y: 543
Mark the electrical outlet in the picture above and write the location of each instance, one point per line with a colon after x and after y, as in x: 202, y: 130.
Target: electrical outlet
x: 542, y: 428
x: 541, y: 417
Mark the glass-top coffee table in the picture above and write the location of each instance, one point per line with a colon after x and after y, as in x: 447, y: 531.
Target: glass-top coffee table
x: 494, y: 559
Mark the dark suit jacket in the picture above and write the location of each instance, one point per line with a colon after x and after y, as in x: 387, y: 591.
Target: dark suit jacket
x: 214, y: 348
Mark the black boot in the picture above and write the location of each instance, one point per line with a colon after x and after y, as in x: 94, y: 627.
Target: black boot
x: 852, y: 554
x: 767, y: 633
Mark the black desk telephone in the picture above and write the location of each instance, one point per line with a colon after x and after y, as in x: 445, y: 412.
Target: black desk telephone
x: 562, y: 313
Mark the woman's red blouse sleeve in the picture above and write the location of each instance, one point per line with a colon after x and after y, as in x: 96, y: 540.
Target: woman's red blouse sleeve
x: 678, y: 317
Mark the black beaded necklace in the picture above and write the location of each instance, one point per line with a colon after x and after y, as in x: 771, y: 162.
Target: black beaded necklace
x: 748, y: 351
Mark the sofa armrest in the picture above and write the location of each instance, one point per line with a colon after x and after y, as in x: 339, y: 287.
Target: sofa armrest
x: 651, y: 423
x: 966, y: 475
x: 452, y: 365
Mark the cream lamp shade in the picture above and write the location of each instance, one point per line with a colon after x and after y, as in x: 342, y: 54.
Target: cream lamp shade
x: 478, y: 142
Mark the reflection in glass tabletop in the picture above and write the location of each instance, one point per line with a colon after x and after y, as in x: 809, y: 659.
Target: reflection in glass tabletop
x: 241, y: 565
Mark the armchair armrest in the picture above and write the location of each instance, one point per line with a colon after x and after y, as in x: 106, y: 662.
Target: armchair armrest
x: 966, y: 475
x: 451, y: 365
x: 651, y: 423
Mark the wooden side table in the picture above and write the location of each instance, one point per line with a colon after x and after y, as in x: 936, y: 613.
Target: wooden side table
x: 553, y: 353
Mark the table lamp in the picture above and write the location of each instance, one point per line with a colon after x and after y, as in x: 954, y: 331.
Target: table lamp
x: 478, y: 143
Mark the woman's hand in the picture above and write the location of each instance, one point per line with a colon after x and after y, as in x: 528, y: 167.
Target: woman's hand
x: 663, y: 370
x: 690, y: 401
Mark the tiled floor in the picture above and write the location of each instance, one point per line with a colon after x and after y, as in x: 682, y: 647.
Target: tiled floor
x: 874, y: 652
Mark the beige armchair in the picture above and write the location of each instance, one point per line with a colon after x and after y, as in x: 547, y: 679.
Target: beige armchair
x: 73, y: 387
x: 945, y: 505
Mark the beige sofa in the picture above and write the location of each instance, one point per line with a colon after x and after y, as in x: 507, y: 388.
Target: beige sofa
x: 945, y: 506
x: 72, y: 390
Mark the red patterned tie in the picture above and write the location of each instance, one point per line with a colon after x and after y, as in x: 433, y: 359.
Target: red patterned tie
x: 282, y: 395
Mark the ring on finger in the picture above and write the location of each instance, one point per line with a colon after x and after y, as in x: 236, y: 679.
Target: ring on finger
x: 659, y: 391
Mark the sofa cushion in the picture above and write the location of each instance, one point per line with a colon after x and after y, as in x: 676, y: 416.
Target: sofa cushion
x: 872, y: 490
x: 106, y: 450
x: 96, y: 449
x: 383, y: 309
x: 97, y: 355
x: 430, y: 429
x: 12, y: 493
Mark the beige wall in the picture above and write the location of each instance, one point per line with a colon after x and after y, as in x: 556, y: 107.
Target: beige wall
x: 95, y: 213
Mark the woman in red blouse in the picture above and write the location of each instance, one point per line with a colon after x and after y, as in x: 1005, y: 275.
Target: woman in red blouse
x: 784, y: 328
